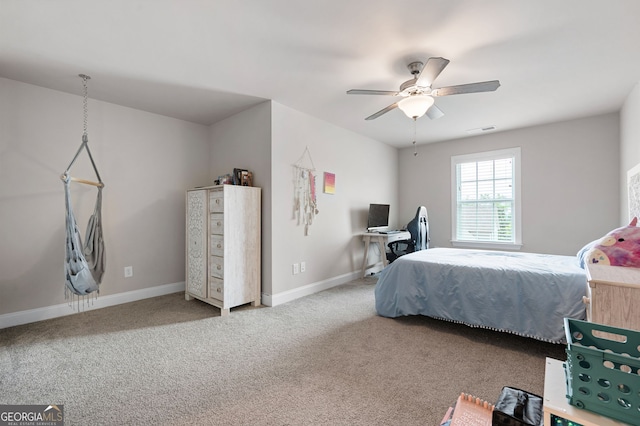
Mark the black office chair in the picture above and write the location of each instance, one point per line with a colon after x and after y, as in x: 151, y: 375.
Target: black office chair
x: 419, y: 230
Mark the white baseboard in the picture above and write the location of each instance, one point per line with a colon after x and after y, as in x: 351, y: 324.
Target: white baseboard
x: 48, y: 312
x: 296, y: 293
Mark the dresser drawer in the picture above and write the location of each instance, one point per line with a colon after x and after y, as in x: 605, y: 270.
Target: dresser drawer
x: 216, y: 223
x: 216, y: 289
x: 217, y: 245
x: 216, y: 201
x: 216, y: 266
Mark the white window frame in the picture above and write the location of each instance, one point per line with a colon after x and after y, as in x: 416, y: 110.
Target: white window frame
x: 484, y: 156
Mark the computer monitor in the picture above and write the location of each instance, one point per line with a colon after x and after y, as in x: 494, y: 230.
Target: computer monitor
x: 378, y: 219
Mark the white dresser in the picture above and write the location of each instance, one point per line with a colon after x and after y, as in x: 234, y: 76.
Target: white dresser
x: 223, y: 237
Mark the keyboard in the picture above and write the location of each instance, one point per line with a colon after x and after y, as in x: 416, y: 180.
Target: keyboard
x: 390, y: 232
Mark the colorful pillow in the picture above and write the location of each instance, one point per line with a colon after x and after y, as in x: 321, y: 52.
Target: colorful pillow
x: 620, y: 247
x: 583, y: 254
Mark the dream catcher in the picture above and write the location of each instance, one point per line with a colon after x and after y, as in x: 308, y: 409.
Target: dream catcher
x: 305, y: 206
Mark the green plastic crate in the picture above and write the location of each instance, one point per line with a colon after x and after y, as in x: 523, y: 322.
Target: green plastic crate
x: 603, y: 373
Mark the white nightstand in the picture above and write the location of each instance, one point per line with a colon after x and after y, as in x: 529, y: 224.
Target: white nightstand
x: 614, y: 296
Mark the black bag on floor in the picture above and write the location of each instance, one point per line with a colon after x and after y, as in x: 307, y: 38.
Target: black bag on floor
x: 516, y: 407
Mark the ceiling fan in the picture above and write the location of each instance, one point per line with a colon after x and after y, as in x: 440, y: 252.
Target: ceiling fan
x: 417, y: 93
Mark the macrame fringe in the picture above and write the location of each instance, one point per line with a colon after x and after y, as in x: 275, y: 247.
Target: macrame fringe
x: 305, y: 206
x: 502, y: 330
x: 82, y: 303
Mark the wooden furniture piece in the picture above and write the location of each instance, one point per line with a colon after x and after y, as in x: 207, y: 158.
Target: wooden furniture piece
x: 557, y: 410
x: 382, y: 240
x: 614, y: 297
x: 223, y: 246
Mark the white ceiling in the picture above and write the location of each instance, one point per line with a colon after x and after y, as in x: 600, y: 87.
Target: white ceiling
x: 203, y: 61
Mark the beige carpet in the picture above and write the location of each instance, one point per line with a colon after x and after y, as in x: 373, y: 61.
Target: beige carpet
x: 323, y: 359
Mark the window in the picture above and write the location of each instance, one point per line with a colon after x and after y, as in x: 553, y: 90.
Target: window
x: 486, y: 199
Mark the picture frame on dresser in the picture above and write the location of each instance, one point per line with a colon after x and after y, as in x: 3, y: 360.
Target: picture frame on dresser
x: 247, y: 178
x: 237, y: 175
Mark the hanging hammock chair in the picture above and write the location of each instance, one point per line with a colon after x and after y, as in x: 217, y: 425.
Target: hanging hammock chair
x: 84, y: 263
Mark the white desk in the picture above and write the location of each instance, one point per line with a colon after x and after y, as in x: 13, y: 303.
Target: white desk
x: 382, y: 240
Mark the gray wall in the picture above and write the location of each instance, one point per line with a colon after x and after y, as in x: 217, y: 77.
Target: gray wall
x: 146, y: 161
x: 244, y: 141
x: 268, y: 140
x: 570, y: 181
x: 366, y: 172
x: 629, y: 146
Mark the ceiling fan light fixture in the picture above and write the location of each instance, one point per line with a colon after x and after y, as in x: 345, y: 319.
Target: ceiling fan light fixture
x: 415, y: 106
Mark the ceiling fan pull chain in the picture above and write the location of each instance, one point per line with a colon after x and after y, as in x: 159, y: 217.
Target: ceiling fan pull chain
x: 415, y: 148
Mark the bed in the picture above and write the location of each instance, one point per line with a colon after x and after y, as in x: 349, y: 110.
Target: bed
x: 527, y: 294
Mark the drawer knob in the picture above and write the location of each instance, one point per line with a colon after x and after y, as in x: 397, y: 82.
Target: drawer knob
x: 219, y: 223
x: 219, y: 290
x: 219, y: 245
x: 219, y: 267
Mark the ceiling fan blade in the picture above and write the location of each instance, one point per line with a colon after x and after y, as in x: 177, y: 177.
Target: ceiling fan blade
x: 485, y: 86
x: 431, y: 71
x: 371, y: 92
x: 434, y: 112
x: 382, y: 111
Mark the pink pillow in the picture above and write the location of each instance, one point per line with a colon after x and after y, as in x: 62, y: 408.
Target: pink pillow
x: 620, y: 247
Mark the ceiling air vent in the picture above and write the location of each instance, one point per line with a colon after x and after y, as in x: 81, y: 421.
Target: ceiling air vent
x: 481, y: 130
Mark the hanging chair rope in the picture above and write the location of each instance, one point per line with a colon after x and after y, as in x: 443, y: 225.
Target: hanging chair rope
x: 65, y: 175
x: 85, y: 142
x: 84, y: 263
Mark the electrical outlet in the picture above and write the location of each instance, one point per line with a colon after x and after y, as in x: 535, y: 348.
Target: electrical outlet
x: 296, y: 268
x: 303, y: 266
x: 128, y: 271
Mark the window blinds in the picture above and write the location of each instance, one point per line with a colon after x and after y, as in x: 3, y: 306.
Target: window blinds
x: 485, y: 200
